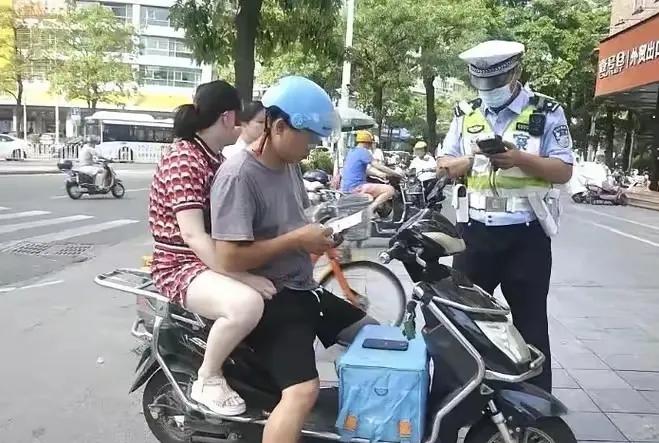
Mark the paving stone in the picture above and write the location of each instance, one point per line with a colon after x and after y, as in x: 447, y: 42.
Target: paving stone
x: 652, y: 397
x: 561, y: 379
x: 622, y: 400
x: 598, y: 379
x: 576, y: 400
x: 643, y: 381
x: 637, y: 427
x: 593, y: 426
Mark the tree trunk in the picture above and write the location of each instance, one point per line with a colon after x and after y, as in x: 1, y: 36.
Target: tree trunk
x: 610, y: 132
x: 377, y: 106
x: 247, y: 22
x: 92, y: 105
x: 19, y: 105
x: 628, y: 141
x: 431, y: 113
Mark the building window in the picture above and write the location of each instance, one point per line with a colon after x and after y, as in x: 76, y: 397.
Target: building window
x: 166, y: 47
x: 122, y: 12
x: 154, y: 16
x: 638, y: 6
x: 169, y: 76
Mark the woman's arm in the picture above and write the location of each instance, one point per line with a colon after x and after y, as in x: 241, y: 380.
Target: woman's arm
x: 191, y: 224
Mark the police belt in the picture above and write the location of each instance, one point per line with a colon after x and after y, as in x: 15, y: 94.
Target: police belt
x: 513, y: 204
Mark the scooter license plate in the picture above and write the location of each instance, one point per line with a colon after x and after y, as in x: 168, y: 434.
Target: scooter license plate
x: 495, y: 204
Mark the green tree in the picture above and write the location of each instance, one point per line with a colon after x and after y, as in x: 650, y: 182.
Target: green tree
x: 92, y: 62
x: 381, y: 55
x: 21, y: 46
x: 561, y: 37
x: 237, y: 30
x: 323, y: 68
x: 444, y: 29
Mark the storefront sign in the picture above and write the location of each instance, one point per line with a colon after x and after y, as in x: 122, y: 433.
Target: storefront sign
x: 615, y: 64
x: 629, y: 59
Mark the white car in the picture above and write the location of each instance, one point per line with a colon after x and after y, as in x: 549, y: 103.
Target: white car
x: 12, y: 148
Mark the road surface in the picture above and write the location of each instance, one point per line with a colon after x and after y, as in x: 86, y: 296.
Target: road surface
x: 68, y: 356
x: 35, y: 212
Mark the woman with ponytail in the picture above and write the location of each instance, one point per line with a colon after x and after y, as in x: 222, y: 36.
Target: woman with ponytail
x: 185, y: 266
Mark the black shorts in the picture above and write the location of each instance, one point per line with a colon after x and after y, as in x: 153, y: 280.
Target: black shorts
x: 284, y: 338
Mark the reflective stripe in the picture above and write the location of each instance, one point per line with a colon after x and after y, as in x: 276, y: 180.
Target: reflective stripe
x: 482, y: 182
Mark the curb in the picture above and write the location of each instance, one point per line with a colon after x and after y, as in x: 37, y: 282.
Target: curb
x: 30, y: 172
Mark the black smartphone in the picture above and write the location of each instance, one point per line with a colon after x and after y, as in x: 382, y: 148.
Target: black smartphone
x: 387, y: 345
x: 491, y: 145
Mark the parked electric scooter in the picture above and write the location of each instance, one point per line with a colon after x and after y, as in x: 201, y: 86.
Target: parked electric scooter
x: 78, y: 183
x: 480, y: 362
x: 597, y: 195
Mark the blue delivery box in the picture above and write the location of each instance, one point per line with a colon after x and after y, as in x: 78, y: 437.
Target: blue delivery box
x: 383, y: 392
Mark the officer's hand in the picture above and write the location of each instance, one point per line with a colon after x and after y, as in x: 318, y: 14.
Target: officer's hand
x: 506, y: 160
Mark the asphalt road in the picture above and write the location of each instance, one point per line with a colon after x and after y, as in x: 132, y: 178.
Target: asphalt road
x: 68, y: 357
x: 36, y: 213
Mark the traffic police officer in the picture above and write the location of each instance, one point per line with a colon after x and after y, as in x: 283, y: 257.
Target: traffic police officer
x: 506, y: 229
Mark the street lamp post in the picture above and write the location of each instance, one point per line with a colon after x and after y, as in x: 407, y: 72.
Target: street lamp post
x: 344, y: 101
x: 345, y: 77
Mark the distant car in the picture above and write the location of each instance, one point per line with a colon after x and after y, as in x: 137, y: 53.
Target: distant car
x: 12, y: 148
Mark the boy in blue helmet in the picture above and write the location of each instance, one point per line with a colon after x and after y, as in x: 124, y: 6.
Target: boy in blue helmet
x: 257, y: 218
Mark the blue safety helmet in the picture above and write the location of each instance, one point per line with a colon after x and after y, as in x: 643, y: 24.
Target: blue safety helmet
x: 305, y: 104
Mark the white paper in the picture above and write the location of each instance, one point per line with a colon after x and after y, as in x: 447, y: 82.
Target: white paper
x: 344, y: 223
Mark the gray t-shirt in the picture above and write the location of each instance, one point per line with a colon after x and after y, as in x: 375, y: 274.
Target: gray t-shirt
x: 251, y: 202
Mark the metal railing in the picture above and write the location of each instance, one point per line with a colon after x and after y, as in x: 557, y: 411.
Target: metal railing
x: 70, y: 151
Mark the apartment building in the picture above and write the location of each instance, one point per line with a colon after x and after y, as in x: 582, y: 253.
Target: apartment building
x: 167, y: 77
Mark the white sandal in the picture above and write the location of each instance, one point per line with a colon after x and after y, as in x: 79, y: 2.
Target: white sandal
x: 216, y: 394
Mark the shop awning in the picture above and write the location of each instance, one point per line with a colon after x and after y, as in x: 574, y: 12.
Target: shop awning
x: 628, y: 71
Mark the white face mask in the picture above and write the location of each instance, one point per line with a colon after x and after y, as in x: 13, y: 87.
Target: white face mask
x: 495, y: 98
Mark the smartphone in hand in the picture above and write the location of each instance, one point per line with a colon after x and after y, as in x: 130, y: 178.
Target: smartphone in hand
x: 491, y: 145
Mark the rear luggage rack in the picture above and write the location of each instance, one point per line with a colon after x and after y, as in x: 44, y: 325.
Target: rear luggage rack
x: 133, y: 281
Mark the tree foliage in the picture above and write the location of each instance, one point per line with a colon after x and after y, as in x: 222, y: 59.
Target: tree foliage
x: 381, y: 56
x: 445, y: 28
x: 93, y: 48
x: 561, y: 37
x: 236, y: 31
x: 22, y: 44
x: 323, y: 68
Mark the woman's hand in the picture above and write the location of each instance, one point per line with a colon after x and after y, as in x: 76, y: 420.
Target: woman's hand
x: 260, y: 284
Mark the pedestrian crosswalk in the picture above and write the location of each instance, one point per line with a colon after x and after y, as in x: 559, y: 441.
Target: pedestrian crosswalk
x: 39, y: 226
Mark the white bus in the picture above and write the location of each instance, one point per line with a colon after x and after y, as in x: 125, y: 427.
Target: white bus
x: 130, y: 137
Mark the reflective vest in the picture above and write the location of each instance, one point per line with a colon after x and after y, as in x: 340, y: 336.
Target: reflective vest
x: 513, y: 183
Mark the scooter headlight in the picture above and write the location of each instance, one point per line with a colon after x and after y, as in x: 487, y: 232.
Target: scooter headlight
x: 507, y: 338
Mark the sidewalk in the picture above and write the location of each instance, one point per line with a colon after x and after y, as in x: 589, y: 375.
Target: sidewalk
x: 32, y: 167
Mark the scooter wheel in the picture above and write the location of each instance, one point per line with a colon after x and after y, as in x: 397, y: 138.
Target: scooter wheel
x: 118, y: 190
x: 73, y: 190
x: 623, y: 200
x: 578, y: 198
x: 545, y: 430
x: 166, y: 420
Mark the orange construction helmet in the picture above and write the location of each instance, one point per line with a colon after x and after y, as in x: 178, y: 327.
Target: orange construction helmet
x: 364, y: 137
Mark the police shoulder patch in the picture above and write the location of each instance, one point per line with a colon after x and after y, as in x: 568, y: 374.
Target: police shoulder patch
x: 475, y: 129
x: 562, y: 136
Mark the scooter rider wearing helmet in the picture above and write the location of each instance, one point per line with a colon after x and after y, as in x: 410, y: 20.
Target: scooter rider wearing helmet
x: 88, y: 164
x: 258, y: 221
x: 510, y: 209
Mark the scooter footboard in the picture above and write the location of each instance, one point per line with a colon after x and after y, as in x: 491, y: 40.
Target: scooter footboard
x: 526, y: 403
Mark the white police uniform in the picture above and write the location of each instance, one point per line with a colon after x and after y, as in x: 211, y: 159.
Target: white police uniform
x: 505, y: 243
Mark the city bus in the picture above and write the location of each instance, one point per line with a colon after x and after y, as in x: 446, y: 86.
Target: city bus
x: 128, y: 137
